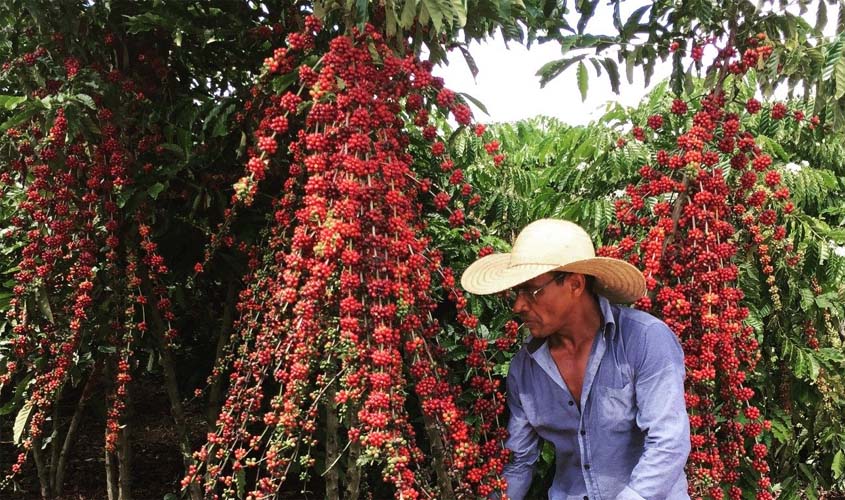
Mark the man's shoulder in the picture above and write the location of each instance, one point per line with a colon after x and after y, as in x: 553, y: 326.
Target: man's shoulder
x: 642, y: 332
x: 632, y: 322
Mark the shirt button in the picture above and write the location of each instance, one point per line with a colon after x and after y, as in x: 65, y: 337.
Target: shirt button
x: 583, y: 433
x: 587, y: 466
x: 572, y: 403
x: 586, y: 497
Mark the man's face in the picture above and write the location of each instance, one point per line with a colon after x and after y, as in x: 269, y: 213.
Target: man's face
x: 543, y: 304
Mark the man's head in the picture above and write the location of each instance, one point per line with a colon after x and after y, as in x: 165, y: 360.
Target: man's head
x: 546, y: 303
x: 551, y: 245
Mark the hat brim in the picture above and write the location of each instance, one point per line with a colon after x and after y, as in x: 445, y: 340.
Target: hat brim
x: 617, y: 280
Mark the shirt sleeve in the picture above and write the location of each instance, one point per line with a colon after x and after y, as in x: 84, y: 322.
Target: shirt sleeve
x: 523, y: 442
x: 659, y: 371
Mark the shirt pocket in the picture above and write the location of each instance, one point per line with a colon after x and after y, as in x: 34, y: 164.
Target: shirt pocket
x: 617, y: 410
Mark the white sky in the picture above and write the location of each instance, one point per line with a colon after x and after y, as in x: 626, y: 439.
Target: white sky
x: 508, y: 86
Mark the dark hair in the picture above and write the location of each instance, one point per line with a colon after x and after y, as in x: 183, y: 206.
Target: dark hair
x: 559, y: 276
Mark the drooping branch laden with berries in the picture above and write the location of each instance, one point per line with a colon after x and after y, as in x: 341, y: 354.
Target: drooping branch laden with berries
x: 338, y: 310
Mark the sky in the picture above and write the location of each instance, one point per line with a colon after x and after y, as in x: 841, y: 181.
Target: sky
x: 508, y: 86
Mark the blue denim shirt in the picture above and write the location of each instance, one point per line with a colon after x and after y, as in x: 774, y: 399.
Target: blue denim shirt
x: 629, y: 440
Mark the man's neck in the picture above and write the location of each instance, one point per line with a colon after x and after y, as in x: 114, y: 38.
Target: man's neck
x: 577, y: 337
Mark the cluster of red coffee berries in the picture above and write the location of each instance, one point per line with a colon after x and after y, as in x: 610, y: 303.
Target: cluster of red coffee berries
x: 338, y: 309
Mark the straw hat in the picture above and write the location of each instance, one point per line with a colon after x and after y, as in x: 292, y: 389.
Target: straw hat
x: 554, y: 245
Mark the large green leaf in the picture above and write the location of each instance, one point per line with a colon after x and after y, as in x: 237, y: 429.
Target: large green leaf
x: 838, y: 465
x: 409, y: 12
x: 839, y: 78
x: 10, y: 102
x: 20, y: 422
x: 612, y: 73
x: 832, y: 56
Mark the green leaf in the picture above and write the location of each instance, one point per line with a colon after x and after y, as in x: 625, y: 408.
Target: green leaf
x: 612, y: 73
x: 587, y: 8
x: 10, y: 102
x: 361, y: 11
x: 781, y: 430
x: 807, y: 299
x: 173, y: 148
x: 20, y: 422
x: 86, y: 100
x: 838, y: 465
x: 146, y: 22
x: 582, y: 80
x: 824, y: 302
x: 409, y: 11
x: 240, y: 482
x: 832, y: 56
x: 473, y: 67
x: 435, y: 12
x: 704, y: 11
x: 478, y: 104
x: 19, y: 118
x: 281, y: 83
x: 839, y: 76
x: 837, y: 235
x: 460, y: 13
x: 814, y: 367
x: 630, y: 61
x: 155, y: 190
x: 633, y: 21
x: 677, y: 77
x: 552, y: 69
x: 799, y: 364
x: 548, y: 452
x: 821, y: 16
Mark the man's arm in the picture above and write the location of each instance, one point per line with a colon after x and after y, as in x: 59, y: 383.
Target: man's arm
x: 658, y: 362
x: 523, y: 442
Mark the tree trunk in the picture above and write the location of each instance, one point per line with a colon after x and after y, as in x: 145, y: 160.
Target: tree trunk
x: 332, y: 480
x: 41, y: 467
x: 353, y: 470
x: 54, y: 447
x: 216, y: 391
x: 439, y: 451
x: 111, y: 459
x: 172, y: 386
x: 70, y: 436
x: 111, y: 475
x: 124, y: 456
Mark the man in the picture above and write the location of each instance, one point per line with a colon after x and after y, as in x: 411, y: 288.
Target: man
x: 604, y: 384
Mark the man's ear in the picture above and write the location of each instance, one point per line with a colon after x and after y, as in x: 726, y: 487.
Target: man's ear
x: 577, y: 283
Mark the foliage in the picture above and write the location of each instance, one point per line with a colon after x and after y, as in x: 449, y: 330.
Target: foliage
x: 691, y: 33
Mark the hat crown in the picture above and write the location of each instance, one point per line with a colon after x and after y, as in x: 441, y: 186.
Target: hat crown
x: 552, y: 242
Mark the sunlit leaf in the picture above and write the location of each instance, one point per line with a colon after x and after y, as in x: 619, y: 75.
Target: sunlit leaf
x: 20, y: 422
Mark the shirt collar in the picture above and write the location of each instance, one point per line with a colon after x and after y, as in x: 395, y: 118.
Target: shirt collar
x: 608, y: 317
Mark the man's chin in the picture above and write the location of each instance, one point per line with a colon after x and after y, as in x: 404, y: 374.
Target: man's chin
x: 536, y: 332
